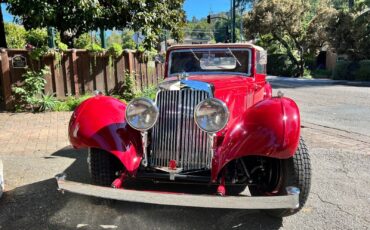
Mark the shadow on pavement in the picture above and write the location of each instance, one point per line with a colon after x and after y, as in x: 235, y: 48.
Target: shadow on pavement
x: 41, y: 206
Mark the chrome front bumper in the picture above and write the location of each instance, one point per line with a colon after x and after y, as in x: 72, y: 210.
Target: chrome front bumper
x: 205, y: 201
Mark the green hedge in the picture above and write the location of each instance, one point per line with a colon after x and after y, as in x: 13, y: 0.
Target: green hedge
x: 280, y: 65
x: 352, y: 70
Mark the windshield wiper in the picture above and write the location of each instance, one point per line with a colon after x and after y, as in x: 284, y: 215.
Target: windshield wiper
x: 234, y: 56
x: 196, y: 57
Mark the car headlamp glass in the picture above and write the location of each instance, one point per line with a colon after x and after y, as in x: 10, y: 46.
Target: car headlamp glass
x: 211, y: 115
x: 141, y: 114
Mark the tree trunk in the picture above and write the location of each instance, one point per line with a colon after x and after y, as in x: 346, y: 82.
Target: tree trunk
x: 2, y: 31
x: 290, y: 54
x: 301, y: 64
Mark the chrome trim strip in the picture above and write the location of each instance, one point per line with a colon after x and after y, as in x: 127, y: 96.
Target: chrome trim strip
x: 291, y: 200
x: 185, y: 83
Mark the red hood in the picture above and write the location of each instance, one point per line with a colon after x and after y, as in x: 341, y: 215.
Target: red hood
x: 221, y: 81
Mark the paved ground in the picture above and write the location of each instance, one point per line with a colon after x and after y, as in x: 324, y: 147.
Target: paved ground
x: 34, y: 148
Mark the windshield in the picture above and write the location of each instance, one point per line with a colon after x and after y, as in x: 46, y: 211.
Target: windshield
x: 220, y: 60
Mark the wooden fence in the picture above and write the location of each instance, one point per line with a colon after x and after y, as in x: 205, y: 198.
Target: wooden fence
x: 77, y: 72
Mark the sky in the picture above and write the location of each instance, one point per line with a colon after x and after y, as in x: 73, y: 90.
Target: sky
x: 7, y: 17
x: 201, y: 8
x: 198, y: 8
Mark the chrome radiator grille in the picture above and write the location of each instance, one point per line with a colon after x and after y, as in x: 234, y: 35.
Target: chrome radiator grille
x: 176, y: 135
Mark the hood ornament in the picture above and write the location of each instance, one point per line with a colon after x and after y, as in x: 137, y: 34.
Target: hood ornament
x: 183, y: 76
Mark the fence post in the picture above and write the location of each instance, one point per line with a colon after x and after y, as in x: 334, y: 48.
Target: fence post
x: 5, y: 80
x: 130, y: 62
x: 75, y: 76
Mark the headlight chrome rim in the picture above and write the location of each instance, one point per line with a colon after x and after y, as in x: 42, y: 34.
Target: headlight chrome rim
x: 153, y: 106
x: 224, y: 107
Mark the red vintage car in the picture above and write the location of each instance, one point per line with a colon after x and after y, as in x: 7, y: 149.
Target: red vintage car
x: 213, y: 122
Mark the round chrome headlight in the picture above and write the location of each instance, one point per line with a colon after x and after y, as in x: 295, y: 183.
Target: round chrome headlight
x: 141, y: 114
x: 211, y: 115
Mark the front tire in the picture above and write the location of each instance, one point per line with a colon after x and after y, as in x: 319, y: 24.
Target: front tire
x: 295, y: 171
x: 103, y: 167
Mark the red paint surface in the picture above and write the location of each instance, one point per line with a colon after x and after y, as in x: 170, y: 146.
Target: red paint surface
x: 99, y: 122
x: 268, y: 128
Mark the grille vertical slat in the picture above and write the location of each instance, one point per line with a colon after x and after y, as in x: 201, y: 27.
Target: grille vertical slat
x: 176, y: 136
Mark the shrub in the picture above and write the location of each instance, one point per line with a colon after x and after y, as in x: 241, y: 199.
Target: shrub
x: 84, y: 41
x: 95, y: 48
x: 115, y: 50
x: 352, y: 70
x: 149, y: 92
x: 321, y: 73
x: 128, y: 42
x: 126, y: 89
x: 37, y: 37
x: 39, y: 52
x: 341, y: 70
x: 280, y: 65
x: 47, y: 102
x: 15, y: 36
x: 363, y: 72
x: 62, y: 47
x: 70, y: 103
x: 28, y: 96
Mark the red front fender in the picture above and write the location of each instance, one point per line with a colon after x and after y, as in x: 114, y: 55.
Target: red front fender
x: 99, y: 122
x: 269, y: 128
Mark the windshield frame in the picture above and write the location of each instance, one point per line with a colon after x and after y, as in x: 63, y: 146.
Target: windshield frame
x: 226, y: 49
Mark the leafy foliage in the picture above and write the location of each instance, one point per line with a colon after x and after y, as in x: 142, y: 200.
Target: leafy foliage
x: 113, y: 38
x: 70, y: 103
x: 62, y: 47
x: 352, y: 70
x: 115, y: 50
x: 95, y: 48
x: 151, y: 17
x: 48, y: 102
x: 363, y: 72
x: 128, y: 42
x: 279, y: 64
x: 149, y: 92
x: 84, y: 41
x: 126, y: 89
x: 38, y: 52
x: 349, y: 33
x: 37, y: 37
x: 15, y: 36
x: 29, y: 94
x: 286, y: 22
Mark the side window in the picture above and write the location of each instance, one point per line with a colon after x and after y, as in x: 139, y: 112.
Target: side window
x: 261, y: 62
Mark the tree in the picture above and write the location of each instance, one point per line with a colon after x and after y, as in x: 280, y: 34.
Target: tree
x: 2, y: 29
x: 128, y: 42
x: 348, y: 31
x: 113, y: 38
x: 286, y: 22
x: 75, y: 17
x: 15, y: 36
x: 201, y: 30
x: 84, y: 41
